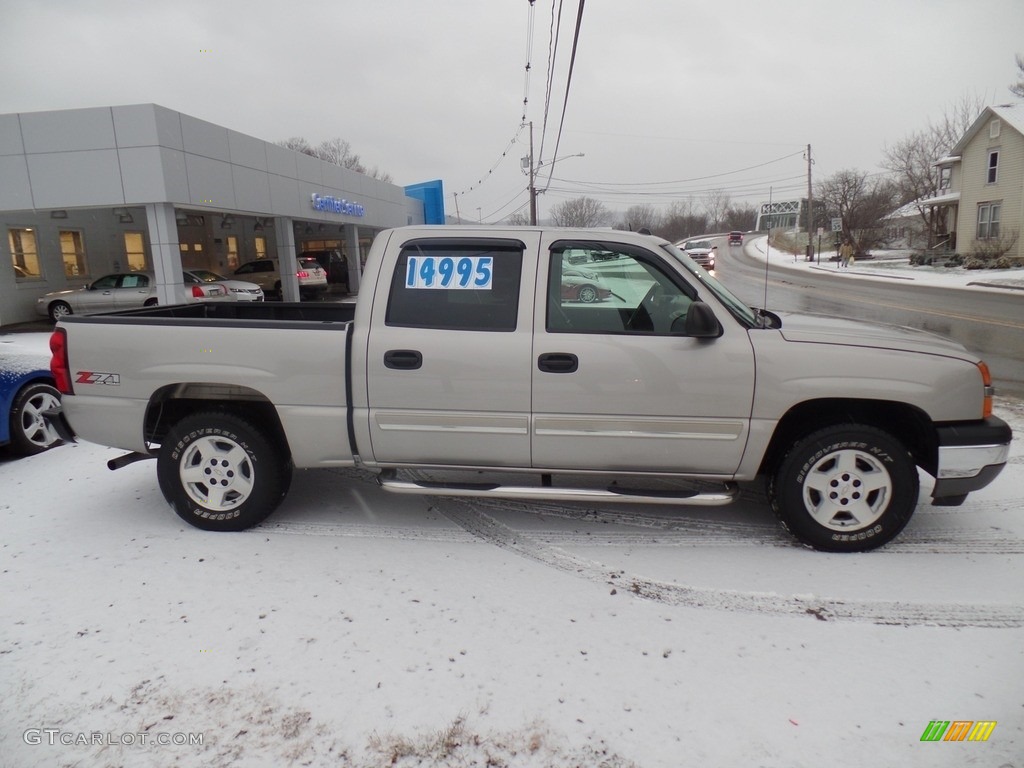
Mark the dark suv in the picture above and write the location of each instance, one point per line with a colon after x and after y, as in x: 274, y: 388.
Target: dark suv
x: 735, y: 238
x: 335, y: 265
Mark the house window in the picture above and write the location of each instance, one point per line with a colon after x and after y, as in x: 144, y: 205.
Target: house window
x: 135, y: 251
x: 72, y: 250
x: 24, y: 253
x: 988, y: 221
x: 260, y: 244
x: 232, y: 252
x: 945, y: 177
x: 993, y: 129
x: 993, y: 166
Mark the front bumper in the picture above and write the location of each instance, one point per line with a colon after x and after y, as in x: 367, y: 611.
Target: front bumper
x: 971, y: 455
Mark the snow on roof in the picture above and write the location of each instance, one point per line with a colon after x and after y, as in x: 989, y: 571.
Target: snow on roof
x: 1011, y: 114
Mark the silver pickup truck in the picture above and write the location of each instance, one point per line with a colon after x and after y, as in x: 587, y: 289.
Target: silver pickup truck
x: 591, y: 366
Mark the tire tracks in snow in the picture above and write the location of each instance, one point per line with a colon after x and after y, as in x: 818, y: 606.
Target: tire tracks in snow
x: 901, y: 613
x: 474, y: 523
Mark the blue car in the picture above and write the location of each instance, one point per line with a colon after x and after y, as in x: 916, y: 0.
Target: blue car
x: 26, y: 390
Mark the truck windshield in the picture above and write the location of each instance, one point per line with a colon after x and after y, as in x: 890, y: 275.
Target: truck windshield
x: 739, y: 310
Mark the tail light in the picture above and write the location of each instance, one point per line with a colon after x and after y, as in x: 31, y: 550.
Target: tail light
x: 59, y: 366
x: 986, y: 381
x: 197, y: 292
x: 302, y: 273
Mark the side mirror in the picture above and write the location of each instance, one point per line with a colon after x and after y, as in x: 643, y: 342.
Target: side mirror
x: 714, y: 247
x: 698, y: 323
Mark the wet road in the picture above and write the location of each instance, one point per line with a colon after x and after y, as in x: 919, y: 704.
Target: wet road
x: 989, y: 323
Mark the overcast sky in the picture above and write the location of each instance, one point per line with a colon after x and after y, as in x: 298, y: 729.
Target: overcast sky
x: 668, y: 99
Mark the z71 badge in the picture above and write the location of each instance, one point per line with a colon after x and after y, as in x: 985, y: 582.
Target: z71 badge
x: 93, y: 377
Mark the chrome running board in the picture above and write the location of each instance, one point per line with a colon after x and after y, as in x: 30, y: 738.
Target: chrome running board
x: 389, y: 481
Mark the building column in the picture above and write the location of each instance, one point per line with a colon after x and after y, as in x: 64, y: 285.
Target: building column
x: 284, y: 235
x: 355, y: 264
x: 166, y: 253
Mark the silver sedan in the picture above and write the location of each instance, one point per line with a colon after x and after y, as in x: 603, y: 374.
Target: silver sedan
x: 127, y: 290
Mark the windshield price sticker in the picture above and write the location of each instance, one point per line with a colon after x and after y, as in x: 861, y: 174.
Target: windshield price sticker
x: 473, y: 273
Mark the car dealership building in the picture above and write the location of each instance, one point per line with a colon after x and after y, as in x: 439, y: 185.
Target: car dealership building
x: 87, y: 192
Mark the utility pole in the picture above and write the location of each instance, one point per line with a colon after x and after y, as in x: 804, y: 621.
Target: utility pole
x: 810, y: 207
x: 533, y: 182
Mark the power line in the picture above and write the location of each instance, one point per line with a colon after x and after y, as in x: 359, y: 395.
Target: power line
x: 568, y: 83
x: 700, y: 178
x: 526, y: 97
x: 554, y: 32
x: 613, y: 189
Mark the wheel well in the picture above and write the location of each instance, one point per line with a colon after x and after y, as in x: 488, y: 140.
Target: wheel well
x: 910, y: 425
x: 172, y: 403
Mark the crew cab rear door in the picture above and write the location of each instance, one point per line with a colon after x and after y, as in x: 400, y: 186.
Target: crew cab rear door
x: 449, y: 351
x: 615, y: 384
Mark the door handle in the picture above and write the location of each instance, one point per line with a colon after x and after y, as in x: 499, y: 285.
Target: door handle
x: 403, y: 359
x: 558, y: 362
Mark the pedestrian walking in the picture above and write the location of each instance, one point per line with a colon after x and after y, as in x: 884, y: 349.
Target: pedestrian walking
x: 845, y: 253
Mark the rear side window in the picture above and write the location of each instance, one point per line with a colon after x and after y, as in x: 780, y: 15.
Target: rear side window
x: 134, y: 281
x: 456, y: 285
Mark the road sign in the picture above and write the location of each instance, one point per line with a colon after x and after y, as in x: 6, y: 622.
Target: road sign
x: 837, y: 225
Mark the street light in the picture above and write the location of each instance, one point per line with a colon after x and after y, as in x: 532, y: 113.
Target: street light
x: 529, y: 168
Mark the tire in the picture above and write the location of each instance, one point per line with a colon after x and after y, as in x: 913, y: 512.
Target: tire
x: 846, y: 488
x: 587, y: 294
x: 59, y: 309
x: 29, y: 433
x: 251, y: 473
x: 151, y: 302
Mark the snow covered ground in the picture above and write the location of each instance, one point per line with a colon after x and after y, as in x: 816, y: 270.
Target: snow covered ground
x: 360, y: 628
x: 892, y: 266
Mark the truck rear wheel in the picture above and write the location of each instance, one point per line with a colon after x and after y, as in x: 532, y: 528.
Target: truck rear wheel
x: 847, y: 488
x: 220, y: 473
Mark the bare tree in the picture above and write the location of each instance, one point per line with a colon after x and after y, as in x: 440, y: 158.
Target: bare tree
x: 912, y: 159
x: 580, y: 212
x: 862, y: 202
x: 742, y: 217
x: 379, y: 175
x: 1017, y: 89
x: 682, y: 220
x: 299, y: 144
x: 336, y: 151
x: 518, y: 219
x: 716, y: 203
x: 639, y: 217
x: 339, y: 152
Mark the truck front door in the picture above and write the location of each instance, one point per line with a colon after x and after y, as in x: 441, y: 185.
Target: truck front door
x: 448, y: 353
x: 614, y: 384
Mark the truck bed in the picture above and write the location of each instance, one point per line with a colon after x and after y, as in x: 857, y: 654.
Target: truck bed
x: 253, y: 313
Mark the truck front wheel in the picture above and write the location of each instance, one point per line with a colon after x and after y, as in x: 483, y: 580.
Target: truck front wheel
x: 220, y: 473
x: 846, y: 488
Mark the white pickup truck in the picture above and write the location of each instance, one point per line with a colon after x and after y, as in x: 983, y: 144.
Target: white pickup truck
x: 591, y: 366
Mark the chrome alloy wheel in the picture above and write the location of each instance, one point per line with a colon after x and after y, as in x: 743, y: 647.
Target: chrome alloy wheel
x: 847, y: 489
x: 33, y: 427
x: 216, y: 473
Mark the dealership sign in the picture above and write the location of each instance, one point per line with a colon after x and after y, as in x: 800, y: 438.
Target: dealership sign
x: 336, y: 205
